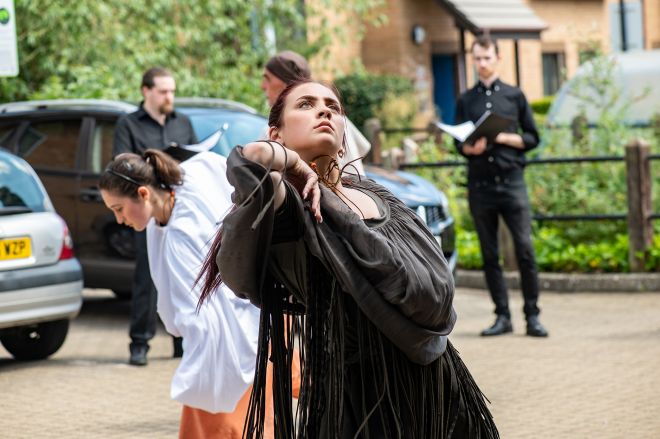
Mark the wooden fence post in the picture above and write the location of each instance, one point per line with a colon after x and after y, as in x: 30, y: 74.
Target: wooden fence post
x: 373, y: 129
x: 640, y: 230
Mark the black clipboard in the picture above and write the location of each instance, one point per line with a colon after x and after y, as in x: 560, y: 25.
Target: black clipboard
x: 489, y: 126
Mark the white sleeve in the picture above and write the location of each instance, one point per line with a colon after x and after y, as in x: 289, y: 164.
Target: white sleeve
x: 360, y: 142
x: 357, y: 146
x: 218, y: 361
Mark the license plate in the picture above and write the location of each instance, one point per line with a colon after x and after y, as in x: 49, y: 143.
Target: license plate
x: 15, y: 248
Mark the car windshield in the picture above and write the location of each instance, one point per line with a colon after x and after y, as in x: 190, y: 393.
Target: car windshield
x: 19, y: 192
x: 238, y: 128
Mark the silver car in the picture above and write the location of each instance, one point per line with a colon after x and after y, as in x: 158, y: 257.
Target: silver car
x: 40, y: 279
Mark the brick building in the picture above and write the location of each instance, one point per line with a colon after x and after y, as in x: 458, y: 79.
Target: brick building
x: 541, y: 42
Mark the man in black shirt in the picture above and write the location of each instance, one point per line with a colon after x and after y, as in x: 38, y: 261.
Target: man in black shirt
x: 496, y: 185
x: 154, y: 125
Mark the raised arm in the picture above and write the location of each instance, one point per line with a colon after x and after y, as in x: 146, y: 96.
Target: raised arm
x: 283, y: 161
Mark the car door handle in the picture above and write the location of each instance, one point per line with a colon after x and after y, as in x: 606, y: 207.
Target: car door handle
x: 91, y: 194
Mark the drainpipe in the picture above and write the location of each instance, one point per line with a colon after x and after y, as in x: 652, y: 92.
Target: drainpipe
x: 516, y: 51
x: 462, y: 70
x: 622, y: 16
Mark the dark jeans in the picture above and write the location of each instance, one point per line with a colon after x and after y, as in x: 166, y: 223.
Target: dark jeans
x: 505, y: 196
x: 143, y: 305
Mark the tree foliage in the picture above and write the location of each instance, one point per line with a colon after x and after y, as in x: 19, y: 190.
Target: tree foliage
x: 365, y: 94
x: 99, y: 49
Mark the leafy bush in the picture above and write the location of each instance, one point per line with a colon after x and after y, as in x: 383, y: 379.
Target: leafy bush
x: 555, y: 252
x: 397, y: 110
x: 99, y: 49
x: 653, y: 255
x: 586, y: 188
x: 365, y: 95
x: 562, y: 189
x: 469, y: 252
x: 541, y: 106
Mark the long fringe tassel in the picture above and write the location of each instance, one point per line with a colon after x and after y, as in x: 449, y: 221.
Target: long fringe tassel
x: 391, y: 396
x: 254, y: 422
x: 322, y: 341
x: 468, y: 415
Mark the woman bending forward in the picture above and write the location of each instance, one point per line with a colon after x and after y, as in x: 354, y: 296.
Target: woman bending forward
x: 180, y: 206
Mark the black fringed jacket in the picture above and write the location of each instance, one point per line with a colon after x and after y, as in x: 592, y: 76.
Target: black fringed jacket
x: 392, y: 267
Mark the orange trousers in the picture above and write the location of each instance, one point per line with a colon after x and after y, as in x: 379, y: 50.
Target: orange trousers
x: 200, y: 424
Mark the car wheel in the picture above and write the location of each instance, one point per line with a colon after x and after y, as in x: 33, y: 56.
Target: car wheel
x: 35, y: 342
x: 123, y: 294
x: 120, y: 240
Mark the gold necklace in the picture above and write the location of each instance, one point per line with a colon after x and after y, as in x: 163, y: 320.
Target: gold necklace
x: 324, y: 178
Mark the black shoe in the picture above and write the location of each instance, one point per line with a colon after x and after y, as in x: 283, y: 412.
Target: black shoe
x: 535, y: 328
x: 501, y: 326
x: 177, y: 342
x: 138, y: 355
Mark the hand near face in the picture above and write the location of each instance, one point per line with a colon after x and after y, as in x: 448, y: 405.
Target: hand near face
x: 283, y: 161
x: 302, y: 176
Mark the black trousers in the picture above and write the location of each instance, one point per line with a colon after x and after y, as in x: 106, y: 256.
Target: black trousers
x: 505, y: 196
x: 143, y: 305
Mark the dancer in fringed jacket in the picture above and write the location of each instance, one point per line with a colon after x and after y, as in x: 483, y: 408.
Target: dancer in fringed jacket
x: 350, y: 270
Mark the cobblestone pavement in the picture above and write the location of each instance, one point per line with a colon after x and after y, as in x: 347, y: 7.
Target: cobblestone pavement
x: 596, y: 376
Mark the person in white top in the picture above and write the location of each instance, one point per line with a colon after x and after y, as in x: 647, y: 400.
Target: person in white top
x: 181, y: 207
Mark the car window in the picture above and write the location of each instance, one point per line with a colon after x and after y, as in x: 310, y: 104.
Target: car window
x: 101, y: 151
x: 238, y: 128
x: 18, y: 187
x: 6, y: 131
x: 50, y: 144
x: 245, y: 129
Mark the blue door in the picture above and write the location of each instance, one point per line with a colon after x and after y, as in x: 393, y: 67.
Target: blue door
x: 444, y: 86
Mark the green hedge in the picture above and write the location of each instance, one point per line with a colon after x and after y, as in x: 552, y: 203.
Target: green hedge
x: 542, y: 106
x: 363, y: 94
x: 99, y: 49
x: 556, y: 253
x: 589, y: 188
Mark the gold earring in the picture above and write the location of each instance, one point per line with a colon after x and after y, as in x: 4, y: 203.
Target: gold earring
x: 341, y: 153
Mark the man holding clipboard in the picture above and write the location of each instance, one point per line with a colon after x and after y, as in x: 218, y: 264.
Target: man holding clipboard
x: 495, y: 148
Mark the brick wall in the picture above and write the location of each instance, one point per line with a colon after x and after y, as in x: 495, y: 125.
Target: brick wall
x: 383, y: 47
x: 390, y: 49
x: 339, y: 56
x: 652, y: 23
x: 571, y: 26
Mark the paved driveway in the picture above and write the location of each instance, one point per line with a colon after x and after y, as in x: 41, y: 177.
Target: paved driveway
x: 597, y: 376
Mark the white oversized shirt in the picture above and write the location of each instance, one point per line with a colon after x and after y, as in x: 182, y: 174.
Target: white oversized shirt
x: 356, y: 146
x: 219, y: 343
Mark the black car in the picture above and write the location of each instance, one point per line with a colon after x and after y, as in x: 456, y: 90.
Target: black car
x: 69, y: 142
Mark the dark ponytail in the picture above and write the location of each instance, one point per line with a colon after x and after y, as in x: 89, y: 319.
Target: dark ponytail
x: 166, y: 170
x: 127, y: 172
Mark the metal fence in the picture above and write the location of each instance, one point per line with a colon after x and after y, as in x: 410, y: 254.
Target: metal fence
x: 639, y: 216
